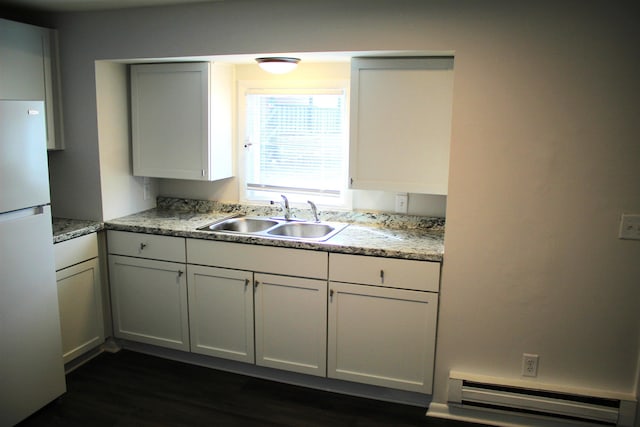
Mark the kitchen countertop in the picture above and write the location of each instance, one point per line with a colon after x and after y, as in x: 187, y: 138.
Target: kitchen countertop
x: 65, y: 228
x: 374, y: 234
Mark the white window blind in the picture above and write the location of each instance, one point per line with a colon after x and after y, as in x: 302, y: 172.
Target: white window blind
x: 296, y: 143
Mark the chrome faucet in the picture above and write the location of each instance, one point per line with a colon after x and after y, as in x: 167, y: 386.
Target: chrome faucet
x: 314, y: 210
x: 285, y: 207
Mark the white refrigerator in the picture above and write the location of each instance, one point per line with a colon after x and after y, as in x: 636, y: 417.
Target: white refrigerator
x: 31, y: 367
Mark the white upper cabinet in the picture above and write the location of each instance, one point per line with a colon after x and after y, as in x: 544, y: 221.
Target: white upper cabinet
x: 29, y: 71
x: 401, y: 124
x: 182, y: 120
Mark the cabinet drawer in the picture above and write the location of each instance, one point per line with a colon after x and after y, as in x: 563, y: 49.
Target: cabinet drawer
x: 263, y: 259
x: 167, y: 248
x: 74, y: 251
x: 392, y: 273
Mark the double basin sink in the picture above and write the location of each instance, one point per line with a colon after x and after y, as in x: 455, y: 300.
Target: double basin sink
x: 276, y: 228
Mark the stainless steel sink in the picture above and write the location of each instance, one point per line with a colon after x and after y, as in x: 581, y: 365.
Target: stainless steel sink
x: 303, y: 230
x: 243, y: 225
x: 276, y: 228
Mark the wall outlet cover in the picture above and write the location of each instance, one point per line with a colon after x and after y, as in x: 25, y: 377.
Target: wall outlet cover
x: 630, y: 227
x: 402, y: 200
x: 529, y: 365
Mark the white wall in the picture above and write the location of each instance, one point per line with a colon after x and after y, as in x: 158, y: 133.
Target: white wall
x: 121, y: 192
x: 544, y: 158
x: 543, y: 163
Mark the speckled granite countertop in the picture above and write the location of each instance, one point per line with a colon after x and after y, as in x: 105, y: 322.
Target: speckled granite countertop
x: 65, y: 229
x: 376, y: 234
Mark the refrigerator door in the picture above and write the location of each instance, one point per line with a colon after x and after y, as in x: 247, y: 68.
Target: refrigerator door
x: 24, y: 176
x: 31, y: 367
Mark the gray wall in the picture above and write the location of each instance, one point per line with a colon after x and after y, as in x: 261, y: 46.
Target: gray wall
x: 544, y: 158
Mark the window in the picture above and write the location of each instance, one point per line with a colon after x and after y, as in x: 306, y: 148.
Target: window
x: 295, y: 143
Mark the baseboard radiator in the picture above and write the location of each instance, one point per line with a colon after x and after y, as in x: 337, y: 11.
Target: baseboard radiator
x: 483, y: 394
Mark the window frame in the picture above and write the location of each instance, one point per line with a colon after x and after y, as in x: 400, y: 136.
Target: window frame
x: 290, y: 87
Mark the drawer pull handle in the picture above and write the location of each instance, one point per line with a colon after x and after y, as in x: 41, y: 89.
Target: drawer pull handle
x: 382, y: 276
x: 142, y: 246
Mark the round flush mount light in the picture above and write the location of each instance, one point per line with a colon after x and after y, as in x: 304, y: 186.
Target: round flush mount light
x: 278, y: 65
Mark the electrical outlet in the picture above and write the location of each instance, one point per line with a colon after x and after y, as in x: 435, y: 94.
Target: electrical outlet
x: 630, y: 227
x: 402, y: 200
x: 529, y: 365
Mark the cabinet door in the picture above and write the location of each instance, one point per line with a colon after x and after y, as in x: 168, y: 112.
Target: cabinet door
x: 149, y: 301
x: 53, y: 90
x: 21, y: 61
x: 29, y: 71
x: 291, y: 323
x: 80, y: 305
x: 221, y: 312
x: 173, y: 121
x: 401, y: 124
x: 382, y: 336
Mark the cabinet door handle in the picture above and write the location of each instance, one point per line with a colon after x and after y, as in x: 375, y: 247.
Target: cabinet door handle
x: 142, y: 246
x: 331, y: 293
x: 180, y: 273
x: 255, y: 284
x: 382, y: 276
x: 246, y: 282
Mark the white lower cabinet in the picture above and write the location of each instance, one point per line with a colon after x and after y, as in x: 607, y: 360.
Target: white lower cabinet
x: 288, y: 313
x: 291, y: 323
x: 382, y: 335
x: 358, y: 318
x: 79, y: 296
x: 149, y: 296
x: 221, y: 312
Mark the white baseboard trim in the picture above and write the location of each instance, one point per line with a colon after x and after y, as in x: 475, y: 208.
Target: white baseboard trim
x: 74, y: 364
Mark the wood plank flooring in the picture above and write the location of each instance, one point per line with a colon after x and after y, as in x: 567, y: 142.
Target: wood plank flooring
x: 133, y: 389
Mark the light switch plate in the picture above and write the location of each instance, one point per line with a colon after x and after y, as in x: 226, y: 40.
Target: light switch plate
x: 630, y: 227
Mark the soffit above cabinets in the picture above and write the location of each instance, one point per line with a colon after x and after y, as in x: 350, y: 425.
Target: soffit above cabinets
x: 95, y: 5
x: 305, y: 57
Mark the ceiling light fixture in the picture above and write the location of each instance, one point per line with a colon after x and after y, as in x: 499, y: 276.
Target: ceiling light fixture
x: 278, y: 65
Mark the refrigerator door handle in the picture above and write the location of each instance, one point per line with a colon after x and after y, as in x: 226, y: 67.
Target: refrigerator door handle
x: 21, y: 213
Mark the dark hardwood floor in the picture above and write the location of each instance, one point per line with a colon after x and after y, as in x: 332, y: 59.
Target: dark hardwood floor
x: 133, y: 389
